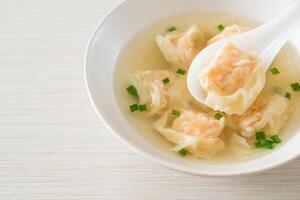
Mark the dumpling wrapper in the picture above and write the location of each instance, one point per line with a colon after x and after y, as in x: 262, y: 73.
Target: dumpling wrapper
x: 157, y: 95
x: 240, y: 147
x: 268, y: 113
x: 229, y: 31
x: 196, y: 132
x: 232, y: 81
x: 179, y: 49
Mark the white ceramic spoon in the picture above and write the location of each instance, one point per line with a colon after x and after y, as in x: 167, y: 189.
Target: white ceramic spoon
x: 265, y: 40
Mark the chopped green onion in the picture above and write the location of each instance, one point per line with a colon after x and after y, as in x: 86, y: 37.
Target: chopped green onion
x: 264, y: 143
x: 221, y: 27
x: 171, y: 29
x: 183, y: 152
x: 133, y: 107
x: 260, y: 135
x: 143, y: 108
x: 288, y: 95
x: 295, y: 86
x: 181, y: 71
x: 218, y: 116
x: 267, y: 144
x: 132, y: 91
x: 166, y: 81
x: 275, y: 71
x: 275, y: 139
x: 176, y: 113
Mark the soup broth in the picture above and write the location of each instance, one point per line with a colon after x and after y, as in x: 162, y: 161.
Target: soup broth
x: 142, y: 53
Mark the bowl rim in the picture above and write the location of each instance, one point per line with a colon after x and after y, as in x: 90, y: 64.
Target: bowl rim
x: 144, y: 153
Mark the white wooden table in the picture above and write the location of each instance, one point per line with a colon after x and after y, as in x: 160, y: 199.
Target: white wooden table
x: 53, y: 146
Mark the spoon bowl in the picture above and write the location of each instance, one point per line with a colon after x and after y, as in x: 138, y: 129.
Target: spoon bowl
x: 265, y: 41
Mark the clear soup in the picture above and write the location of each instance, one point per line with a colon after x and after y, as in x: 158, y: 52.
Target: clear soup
x: 142, y: 53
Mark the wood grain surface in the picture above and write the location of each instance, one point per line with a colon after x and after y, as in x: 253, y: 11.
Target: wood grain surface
x: 53, y: 146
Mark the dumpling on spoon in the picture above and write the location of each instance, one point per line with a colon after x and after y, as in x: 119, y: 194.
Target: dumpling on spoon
x: 232, y: 80
x: 179, y: 49
x: 228, y: 32
x: 197, y: 132
x: 268, y: 113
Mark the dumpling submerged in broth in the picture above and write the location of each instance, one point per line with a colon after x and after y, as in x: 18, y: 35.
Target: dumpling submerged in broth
x: 179, y: 49
x: 158, y: 89
x: 232, y: 80
x: 197, y: 132
x: 229, y: 31
x: 268, y: 113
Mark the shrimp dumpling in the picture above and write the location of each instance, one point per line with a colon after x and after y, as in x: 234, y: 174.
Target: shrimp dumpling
x: 179, y: 49
x: 197, y: 132
x: 229, y: 31
x: 232, y: 80
x: 157, y: 94
x: 268, y: 113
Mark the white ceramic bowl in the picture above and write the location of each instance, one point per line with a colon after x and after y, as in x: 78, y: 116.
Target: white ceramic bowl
x: 118, y: 27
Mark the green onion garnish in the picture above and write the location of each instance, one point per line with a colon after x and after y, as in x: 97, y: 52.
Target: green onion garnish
x: 260, y: 135
x: 133, y: 107
x: 295, y: 86
x: 166, y: 81
x: 171, y: 29
x: 288, y: 95
x: 181, y: 71
x: 221, y: 27
x: 267, y: 144
x: 176, y: 113
x: 183, y: 152
x: 275, y: 71
x: 275, y: 139
x: 143, y: 108
x: 132, y: 91
x: 218, y: 116
x: 262, y: 142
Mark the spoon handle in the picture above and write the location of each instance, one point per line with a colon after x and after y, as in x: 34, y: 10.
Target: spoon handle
x: 277, y: 32
x: 268, y: 39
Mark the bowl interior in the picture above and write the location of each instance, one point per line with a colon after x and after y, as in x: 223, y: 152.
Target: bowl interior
x: 119, y: 27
